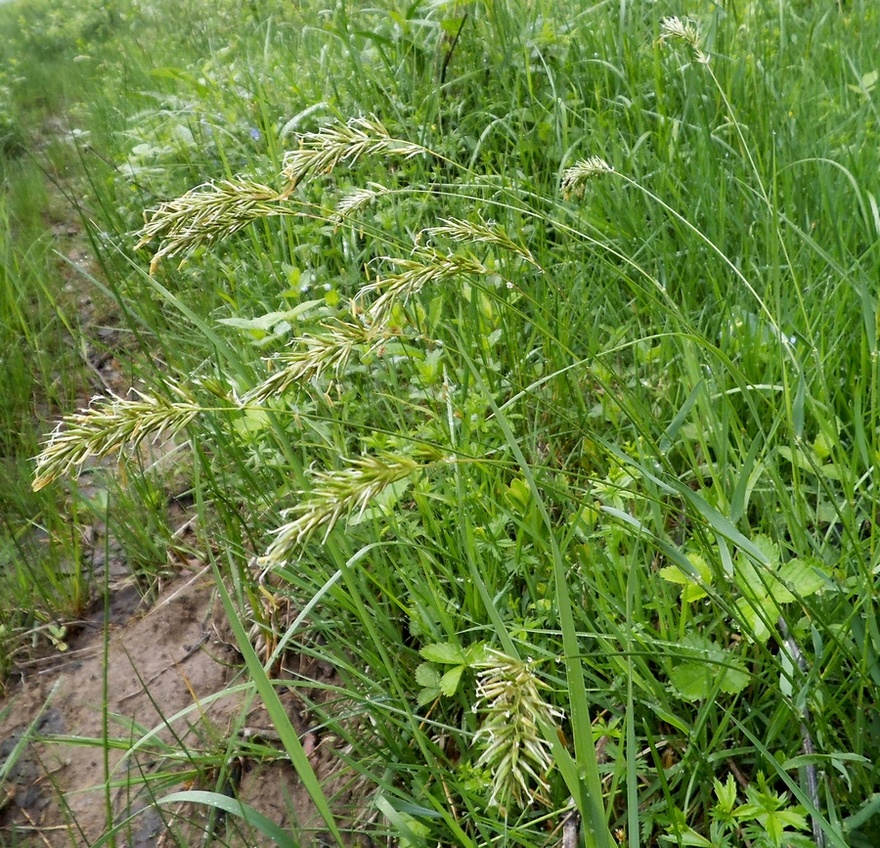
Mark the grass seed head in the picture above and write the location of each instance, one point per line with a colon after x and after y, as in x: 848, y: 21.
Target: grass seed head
x: 428, y: 266
x: 482, y: 233
x: 509, y: 694
x: 207, y: 214
x: 314, y: 354
x: 354, y: 201
x: 340, y: 493
x: 575, y: 178
x: 320, y: 152
x: 109, y: 426
x: 684, y: 29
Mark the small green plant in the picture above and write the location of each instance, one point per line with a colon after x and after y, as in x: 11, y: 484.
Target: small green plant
x: 768, y: 819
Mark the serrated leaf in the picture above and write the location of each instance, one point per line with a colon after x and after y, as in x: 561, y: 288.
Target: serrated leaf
x: 445, y: 653
x: 691, y: 681
x: 476, y: 653
x: 427, y: 675
x: 449, y: 682
x: 693, y: 583
x: 693, y: 593
x: 725, y: 793
x: 749, y: 580
x: 752, y: 619
x: 673, y: 574
x: 768, y: 547
x: 803, y: 576
x: 428, y: 695
x: 733, y: 681
x: 692, y: 839
x: 779, y: 591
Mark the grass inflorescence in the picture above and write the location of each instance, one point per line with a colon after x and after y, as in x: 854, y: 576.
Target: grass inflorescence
x: 553, y: 408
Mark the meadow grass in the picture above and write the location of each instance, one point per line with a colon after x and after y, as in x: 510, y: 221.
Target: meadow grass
x: 530, y: 351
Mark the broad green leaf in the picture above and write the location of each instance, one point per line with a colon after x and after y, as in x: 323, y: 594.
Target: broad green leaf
x: 779, y: 591
x: 804, y: 576
x: 428, y: 695
x: 449, y: 682
x: 802, y: 461
x: 278, y: 835
x: 689, y: 837
x: 693, y: 583
x: 725, y: 793
x: 733, y: 680
x: 692, y: 681
x: 445, y: 653
x: 410, y: 830
x: 768, y: 547
x: 427, y: 675
x: 750, y: 582
x: 752, y: 619
x: 263, y: 323
x: 675, y: 574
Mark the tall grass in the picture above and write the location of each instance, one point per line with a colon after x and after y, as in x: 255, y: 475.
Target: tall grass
x: 532, y: 351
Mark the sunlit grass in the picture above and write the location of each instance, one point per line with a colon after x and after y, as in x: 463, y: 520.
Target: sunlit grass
x: 523, y: 347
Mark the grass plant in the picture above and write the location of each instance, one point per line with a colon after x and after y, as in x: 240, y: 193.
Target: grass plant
x: 530, y: 350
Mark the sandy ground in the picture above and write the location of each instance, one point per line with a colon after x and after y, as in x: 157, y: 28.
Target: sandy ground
x: 163, y: 666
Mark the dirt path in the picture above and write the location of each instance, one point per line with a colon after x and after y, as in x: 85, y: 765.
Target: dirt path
x: 163, y: 667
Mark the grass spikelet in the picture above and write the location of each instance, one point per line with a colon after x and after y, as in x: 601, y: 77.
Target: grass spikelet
x: 428, y: 266
x: 575, y: 178
x: 516, y: 752
x: 684, y: 29
x: 312, y: 355
x: 482, y: 233
x: 354, y: 201
x: 341, y: 493
x: 320, y: 152
x: 109, y: 426
x: 209, y: 213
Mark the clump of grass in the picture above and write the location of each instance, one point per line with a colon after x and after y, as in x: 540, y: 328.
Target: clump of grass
x: 638, y: 461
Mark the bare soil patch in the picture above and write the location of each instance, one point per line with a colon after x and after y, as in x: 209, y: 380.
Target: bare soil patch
x: 163, y: 666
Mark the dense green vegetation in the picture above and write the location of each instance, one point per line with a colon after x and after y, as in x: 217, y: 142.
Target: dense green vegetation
x: 529, y: 349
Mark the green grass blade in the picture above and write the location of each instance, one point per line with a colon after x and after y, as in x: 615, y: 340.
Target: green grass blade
x: 277, y: 714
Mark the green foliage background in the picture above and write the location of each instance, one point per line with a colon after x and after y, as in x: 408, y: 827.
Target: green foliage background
x: 628, y: 442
